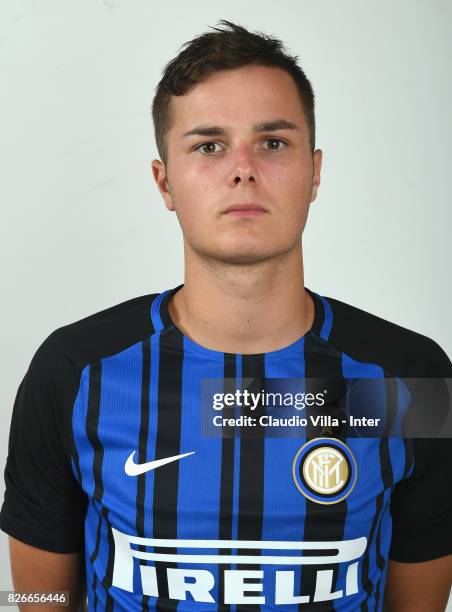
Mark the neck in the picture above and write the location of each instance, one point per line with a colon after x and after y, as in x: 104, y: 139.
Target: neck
x: 243, y: 308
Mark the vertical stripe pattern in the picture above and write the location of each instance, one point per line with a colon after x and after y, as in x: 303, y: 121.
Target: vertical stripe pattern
x: 251, y: 482
x: 146, y: 399
x: 167, y: 445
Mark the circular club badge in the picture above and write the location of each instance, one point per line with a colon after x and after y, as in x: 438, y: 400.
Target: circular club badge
x: 324, y: 470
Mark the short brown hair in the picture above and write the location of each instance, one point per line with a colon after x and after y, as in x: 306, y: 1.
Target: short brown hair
x: 225, y: 49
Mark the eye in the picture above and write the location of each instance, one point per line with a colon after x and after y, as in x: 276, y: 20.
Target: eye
x: 276, y: 141
x: 206, y: 148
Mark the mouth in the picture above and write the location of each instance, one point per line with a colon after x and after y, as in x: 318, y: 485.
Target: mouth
x: 244, y: 210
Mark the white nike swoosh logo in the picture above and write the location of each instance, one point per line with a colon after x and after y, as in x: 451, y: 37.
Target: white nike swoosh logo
x: 135, y: 469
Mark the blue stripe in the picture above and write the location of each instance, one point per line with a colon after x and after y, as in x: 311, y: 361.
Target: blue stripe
x: 90, y: 542
x: 100, y: 564
x: 150, y: 456
x: 152, y: 433
x: 361, y: 503
x: 84, y: 449
x: 155, y: 311
x: 396, y: 444
x: 328, y: 320
x: 119, y: 427
x: 198, y: 503
x: 86, y: 460
x: 74, y: 471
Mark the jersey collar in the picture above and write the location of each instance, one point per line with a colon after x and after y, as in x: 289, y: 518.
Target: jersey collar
x: 322, y: 324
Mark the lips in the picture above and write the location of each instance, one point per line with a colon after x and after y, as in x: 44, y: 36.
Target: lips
x: 244, y: 208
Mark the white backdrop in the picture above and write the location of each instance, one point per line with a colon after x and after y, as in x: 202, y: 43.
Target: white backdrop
x: 83, y: 226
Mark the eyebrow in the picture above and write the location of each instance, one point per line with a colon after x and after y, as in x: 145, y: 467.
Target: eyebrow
x: 264, y: 126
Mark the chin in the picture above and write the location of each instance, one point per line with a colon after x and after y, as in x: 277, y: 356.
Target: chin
x: 240, y: 257
x: 242, y: 252
x: 244, y: 259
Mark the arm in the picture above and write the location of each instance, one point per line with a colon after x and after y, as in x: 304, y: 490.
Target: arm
x: 38, y: 571
x: 418, y: 587
x: 44, y: 506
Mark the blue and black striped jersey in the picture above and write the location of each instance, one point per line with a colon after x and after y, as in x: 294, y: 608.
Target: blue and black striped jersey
x: 107, y: 457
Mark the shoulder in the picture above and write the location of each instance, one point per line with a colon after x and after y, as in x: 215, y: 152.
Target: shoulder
x: 103, y: 333
x: 46, y: 507
x: 368, y: 337
x: 54, y: 373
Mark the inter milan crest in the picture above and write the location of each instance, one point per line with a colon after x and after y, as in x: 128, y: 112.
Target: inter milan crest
x: 324, y: 470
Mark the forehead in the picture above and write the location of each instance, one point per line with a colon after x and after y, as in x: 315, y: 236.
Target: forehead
x: 238, y: 97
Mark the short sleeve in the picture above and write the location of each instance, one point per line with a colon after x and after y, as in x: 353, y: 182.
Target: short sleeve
x: 44, y: 505
x: 421, y: 505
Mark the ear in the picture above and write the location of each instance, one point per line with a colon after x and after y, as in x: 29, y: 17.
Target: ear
x: 317, y: 163
x: 161, y: 178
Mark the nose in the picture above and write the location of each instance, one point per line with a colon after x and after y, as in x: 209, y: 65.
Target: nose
x: 243, y: 170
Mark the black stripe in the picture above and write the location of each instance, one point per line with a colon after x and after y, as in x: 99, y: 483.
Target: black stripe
x: 93, y: 557
x: 409, y: 456
x: 75, y: 457
x: 392, y: 397
x: 365, y: 580
x: 108, y: 578
x: 167, y: 444
x: 251, y: 485
x: 408, y: 442
x: 142, y: 448
x: 387, y: 477
x: 386, y: 468
x: 227, y: 480
x: 92, y: 424
x: 323, y: 522
x: 381, y: 562
x: 79, y: 478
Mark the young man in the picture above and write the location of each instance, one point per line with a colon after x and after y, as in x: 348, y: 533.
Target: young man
x: 109, y: 467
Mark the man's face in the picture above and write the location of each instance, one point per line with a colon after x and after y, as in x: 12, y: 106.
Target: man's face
x: 231, y: 158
